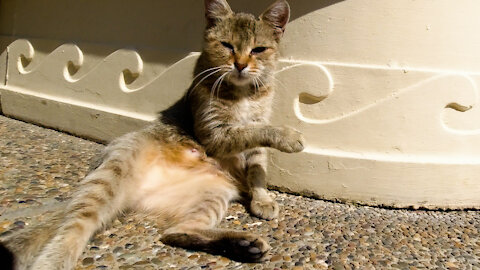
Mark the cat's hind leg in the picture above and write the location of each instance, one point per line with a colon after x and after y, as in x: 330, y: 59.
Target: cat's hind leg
x: 98, y: 199
x: 237, y: 245
x: 196, y: 228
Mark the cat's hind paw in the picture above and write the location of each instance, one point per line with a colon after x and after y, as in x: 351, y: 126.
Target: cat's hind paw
x: 245, y: 247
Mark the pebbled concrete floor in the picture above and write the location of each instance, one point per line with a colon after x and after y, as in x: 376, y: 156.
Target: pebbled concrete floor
x: 40, y: 167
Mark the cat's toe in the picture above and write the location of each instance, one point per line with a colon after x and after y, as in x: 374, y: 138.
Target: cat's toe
x: 265, y: 209
x: 298, y: 144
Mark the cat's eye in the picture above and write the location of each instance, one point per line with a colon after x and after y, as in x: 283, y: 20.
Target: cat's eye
x: 227, y: 45
x: 258, y: 50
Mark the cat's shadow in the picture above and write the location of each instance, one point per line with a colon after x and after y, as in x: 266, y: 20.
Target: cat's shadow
x: 172, y: 27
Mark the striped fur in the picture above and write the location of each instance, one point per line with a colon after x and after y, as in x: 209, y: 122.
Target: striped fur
x: 189, y: 165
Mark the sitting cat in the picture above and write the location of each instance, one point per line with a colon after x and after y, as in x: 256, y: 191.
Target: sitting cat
x: 186, y: 167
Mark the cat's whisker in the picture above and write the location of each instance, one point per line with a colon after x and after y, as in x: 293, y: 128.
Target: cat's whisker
x: 216, y: 85
x: 203, y: 72
x: 263, y: 84
x: 220, y: 84
x: 256, y: 72
x: 212, y: 91
x: 210, y: 74
x: 213, y: 71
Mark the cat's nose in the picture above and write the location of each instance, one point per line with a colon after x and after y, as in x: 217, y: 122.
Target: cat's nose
x: 240, y: 66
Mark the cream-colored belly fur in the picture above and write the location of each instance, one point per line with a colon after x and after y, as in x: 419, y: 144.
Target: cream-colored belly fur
x: 162, y: 186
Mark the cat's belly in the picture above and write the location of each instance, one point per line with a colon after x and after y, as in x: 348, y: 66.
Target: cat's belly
x: 167, y: 181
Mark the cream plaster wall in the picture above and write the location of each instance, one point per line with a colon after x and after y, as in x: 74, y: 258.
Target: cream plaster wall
x: 386, y: 92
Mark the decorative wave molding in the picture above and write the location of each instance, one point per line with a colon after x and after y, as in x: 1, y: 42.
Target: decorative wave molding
x: 108, y: 86
x: 372, y: 130
x: 417, y: 115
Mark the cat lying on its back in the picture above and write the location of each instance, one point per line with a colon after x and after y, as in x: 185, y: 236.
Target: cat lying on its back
x: 187, y: 167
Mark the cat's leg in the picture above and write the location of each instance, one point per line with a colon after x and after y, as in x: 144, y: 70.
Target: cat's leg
x: 227, y: 139
x: 261, y: 204
x: 237, y: 245
x: 196, y: 230
x: 97, y: 201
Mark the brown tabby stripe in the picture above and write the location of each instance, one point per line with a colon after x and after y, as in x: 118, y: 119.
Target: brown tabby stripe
x: 74, y: 227
x: 107, y: 186
x: 89, y: 215
x: 98, y: 200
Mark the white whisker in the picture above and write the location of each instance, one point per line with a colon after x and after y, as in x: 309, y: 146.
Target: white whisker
x: 262, y: 82
x: 206, y: 70
x: 215, y: 86
x: 220, y: 84
x: 213, y: 71
x: 209, y: 69
x: 210, y: 74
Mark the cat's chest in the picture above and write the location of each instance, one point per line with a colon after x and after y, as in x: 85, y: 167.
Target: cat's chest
x: 247, y: 111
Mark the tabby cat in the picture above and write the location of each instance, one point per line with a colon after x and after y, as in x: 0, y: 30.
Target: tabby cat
x: 202, y: 153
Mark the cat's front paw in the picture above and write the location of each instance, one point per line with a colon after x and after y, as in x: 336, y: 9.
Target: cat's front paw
x: 266, y: 209
x: 291, y: 140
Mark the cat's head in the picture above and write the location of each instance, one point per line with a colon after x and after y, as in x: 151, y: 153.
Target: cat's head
x: 244, y: 47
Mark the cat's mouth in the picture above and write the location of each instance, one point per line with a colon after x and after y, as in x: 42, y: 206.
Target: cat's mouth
x: 240, y: 78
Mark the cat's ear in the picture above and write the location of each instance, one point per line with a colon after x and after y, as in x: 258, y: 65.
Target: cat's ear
x: 216, y: 10
x: 277, y: 15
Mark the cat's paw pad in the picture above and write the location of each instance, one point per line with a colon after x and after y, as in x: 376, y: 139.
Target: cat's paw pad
x: 266, y: 209
x: 247, y: 248
x: 292, y: 141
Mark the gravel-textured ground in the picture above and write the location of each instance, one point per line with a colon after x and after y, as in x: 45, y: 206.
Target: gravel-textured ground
x: 40, y: 167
